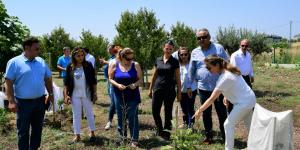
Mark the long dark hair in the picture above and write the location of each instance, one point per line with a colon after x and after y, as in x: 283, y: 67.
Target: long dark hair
x: 223, y: 64
x: 75, y: 51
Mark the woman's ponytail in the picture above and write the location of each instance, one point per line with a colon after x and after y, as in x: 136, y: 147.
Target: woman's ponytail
x: 223, y: 64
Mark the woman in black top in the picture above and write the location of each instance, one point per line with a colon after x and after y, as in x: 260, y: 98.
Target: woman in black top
x: 162, y: 88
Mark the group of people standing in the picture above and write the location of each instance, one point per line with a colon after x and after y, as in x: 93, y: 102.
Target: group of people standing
x: 205, y: 71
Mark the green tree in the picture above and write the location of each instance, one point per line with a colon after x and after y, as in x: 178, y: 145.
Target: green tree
x: 96, y: 44
x: 230, y: 38
x: 54, y: 44
x: 141, y: 32
x: 183, y: 35
x: 12, y: 33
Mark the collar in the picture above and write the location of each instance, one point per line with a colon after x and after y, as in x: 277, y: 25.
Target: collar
x: 26, y: 59
x: 242, y: 53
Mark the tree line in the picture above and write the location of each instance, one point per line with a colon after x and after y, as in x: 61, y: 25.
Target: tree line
x: 139, y: 30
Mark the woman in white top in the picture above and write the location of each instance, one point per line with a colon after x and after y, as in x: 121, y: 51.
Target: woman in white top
x: 187, y: 98
x: 80, y: 91
x: 234, y: 88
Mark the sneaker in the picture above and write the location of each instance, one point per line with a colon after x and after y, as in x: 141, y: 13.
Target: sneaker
x: 108, y: 125
x: 207, y: 141
x: 134, y: 144
x: 182, y: 126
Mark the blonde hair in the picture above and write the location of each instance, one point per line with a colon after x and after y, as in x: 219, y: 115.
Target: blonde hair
x: 223, y: 64
x: 123, y: 52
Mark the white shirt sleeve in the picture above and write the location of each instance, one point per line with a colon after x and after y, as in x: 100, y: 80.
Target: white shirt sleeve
x: 232, y: 59
x: 224, y: 82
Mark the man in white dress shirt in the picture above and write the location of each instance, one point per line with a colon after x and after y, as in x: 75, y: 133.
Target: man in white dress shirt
x: 242, y: 60
x: 88, y: 57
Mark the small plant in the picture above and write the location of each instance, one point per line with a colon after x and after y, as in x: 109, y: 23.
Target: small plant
x: 60, y: 103
x: 4, y: 124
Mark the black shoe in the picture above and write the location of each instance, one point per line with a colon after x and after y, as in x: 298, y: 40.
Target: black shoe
x: 166, y: 135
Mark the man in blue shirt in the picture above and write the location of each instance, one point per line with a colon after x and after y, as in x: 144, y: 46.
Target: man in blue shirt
x: 63, y: 62
x: 207, y: 81
x: 26, y: 77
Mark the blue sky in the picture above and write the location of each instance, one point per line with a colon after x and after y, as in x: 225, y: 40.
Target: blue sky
x: 100, y: 16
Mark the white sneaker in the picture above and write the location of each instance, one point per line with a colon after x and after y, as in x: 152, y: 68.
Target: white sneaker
x: 108, y: 125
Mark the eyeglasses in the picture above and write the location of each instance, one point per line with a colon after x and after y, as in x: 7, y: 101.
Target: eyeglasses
x: 128, y: 59
x: 244, y: 45
x: 184, y: 54
x: 208, y: 68
x: 168, y: 49
x: 202, y: 37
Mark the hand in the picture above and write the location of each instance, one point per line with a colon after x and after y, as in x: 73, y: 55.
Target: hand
x: 190, y: 93
x: 102, y: 61
x: 12, y: 106
x: 197, y: 114
x: 95, y: 98
x: 251, y: 79
x: 132, y: 86
x: 178, y: 97
x: 225, y: 102
x: 121, y: 87
x: 49, y: 98
x: 67, y: 100
x: 150, y: 93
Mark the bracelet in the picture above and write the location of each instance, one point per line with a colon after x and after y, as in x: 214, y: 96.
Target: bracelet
x: 50, y: 94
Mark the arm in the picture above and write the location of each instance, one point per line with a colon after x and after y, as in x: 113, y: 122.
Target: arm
x: 49, y: 87
x: 61, y: 68
x: 139, y: 76
x: 208, y: 102
x: 10, y: 95
x: 177, y: 76
x: 111, y: 74
x: 152, y: 82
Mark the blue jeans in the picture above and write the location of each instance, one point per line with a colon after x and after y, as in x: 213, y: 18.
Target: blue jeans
x: 112, y: 107
x: 127, y: 109
x: 30, y: 113
x: 206, y: 115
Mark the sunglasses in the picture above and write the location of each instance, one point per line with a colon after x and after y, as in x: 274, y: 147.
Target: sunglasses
x: 244, y: 45
x: 128, y: 59
x: 183, y: 54
x: 202, y: 37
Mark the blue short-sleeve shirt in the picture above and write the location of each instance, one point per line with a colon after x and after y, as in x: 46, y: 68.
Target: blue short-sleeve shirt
x: 63, y: 61
x: 28, y: 76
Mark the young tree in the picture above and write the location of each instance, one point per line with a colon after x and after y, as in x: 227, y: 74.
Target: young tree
x: 184, y: 35
x: 54, y: 44
x: 230, y: 38
x: 12, y: 33
x: 96, y: 44
x: 141, y: 32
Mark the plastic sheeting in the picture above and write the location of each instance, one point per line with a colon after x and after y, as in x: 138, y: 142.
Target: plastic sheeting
x: 58, y: 96
x: 271, y: 130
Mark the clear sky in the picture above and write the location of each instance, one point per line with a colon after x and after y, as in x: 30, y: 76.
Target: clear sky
x: 101, y: 16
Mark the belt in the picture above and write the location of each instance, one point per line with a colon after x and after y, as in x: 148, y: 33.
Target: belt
x: 32, y: 100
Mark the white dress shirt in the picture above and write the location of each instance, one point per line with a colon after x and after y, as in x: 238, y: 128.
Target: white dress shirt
x: 90, y: 58
x: 243, y: 62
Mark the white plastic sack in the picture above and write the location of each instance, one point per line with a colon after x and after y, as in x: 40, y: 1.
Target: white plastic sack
x: 271, y: 130
x: 58, y: 95
x: 2, y: 98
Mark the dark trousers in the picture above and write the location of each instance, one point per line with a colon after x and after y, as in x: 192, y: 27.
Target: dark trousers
x: 187, y: 106
x: 159, y: 97
x: 30, y: 113
x: 207, y: 117
x: 248, y: 81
